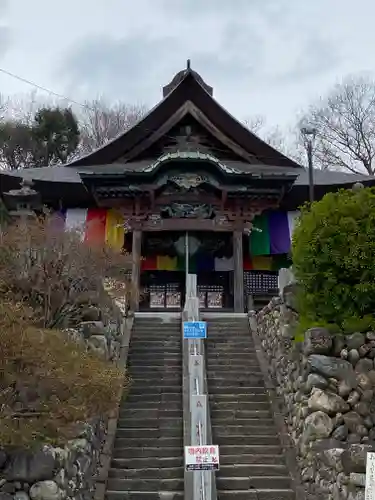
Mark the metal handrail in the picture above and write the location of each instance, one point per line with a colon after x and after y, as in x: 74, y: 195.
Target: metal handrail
x: 200, y: 433
x: 202, y: 485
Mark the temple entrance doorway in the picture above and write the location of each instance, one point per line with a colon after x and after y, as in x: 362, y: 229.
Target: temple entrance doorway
x: 168, y: 255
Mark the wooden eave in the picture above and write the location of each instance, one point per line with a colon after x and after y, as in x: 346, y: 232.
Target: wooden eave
x: 147, y: 178
x: 188, y: 97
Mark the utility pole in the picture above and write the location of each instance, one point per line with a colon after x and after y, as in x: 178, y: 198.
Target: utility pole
x: 309, y: 135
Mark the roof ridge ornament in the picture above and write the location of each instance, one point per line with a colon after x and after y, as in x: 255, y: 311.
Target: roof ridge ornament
x: 177, y: 79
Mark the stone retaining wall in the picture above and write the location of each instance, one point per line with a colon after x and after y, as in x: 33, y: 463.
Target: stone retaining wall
x: 326, y: 385
x: 70, y: 472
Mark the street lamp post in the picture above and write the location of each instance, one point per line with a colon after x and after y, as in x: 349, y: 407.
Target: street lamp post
x: 309, y: 135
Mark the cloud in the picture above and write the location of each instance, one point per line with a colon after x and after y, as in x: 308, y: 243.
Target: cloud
x: 4, y: 4
x: 128, y: 68
x: 136, y: 67
x: 5, y: 32
x: 266, y: 56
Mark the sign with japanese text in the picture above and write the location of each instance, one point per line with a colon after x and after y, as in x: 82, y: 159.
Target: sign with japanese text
x: 195, y: 330
x: 202, y: 457
x: 370, y: 477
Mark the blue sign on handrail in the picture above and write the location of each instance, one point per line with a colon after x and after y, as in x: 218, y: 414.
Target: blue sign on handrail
x: 195, y: 330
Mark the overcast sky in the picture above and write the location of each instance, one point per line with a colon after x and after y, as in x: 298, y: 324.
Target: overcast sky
x: 269, y: 57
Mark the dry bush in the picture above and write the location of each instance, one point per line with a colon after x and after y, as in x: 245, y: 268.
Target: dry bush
x: 55, y: 272
x: 47, y: 382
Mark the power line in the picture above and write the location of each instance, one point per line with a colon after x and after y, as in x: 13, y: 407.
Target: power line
x: 44, y: 89
x: 85, y: 106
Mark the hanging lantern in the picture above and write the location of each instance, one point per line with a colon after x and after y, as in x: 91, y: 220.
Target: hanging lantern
x: 180, y: 245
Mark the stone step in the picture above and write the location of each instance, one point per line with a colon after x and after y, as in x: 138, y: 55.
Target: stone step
x: 150, y: 353
x: 147, y: 452
x: 137, y: 386
x: 153, y: 392
x: 237, y: 345
x: 144, y: 388
x: 157, y: 332
x: 157, y: 323
x: 140, y: 346
x: 243, y: 422
x: 229, y: 338
x: 221, y: 387
x: 153, y: 423
x: 252, y: 482
x: 116, y: 484
x: 239, y: 415
x: 219, y: 384
x: 149, y: 432
x: 143, y: 441
x: 155, y: 369
x: 172, y: 378
x: 147, y: 463
x: 228, y: 322
x: 151, y: 473
x: 156, y: 363
x: 228, y: 371
x: 249, y: 405
x: 168, y: 333
x: 249, y: 439
x: 252, y: 459
x: 221, y: 355
x: 218, y: 363
x: 222, y: 359
x: 228, y: 333
x: 157, y: 328
x: 259, y: 494
x: 234, y: 429
x: 228, y: 330
x: 247, y: 470
x: 156, y: 355
x: 251, y: 391
x: 152, y: 397
x: 150, y: 413
x: 164, y: 379
x: 157, y: 390
x: 137, y: 376
x: 146, y: 495
x: 144, y: 405
x: 169, y: 340
x: 144, y: 341
x: 251, y: 449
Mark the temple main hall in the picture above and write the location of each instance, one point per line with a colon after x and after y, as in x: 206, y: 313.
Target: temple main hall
x: 187, y: 189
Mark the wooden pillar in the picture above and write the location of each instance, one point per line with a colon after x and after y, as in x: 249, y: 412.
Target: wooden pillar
x: 136, y: 265
x: 238, y: 272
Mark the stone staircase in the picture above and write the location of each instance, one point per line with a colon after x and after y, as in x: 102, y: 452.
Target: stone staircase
x: 147, y: 460
x: 252, y: 466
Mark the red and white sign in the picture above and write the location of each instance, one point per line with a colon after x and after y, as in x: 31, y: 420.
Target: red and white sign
x: 202, y: 457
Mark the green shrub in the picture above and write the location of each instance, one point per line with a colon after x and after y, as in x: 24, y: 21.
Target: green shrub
x: 334, y: 259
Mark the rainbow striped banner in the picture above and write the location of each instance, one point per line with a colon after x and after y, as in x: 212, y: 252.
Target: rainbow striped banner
x: 273, y: 233
x: 96, y: 225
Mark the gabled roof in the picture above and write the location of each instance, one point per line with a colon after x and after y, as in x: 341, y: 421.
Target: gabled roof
x: 189, y: 96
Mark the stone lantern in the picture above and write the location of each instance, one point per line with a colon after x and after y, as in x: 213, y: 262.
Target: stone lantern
x: 23, y: 203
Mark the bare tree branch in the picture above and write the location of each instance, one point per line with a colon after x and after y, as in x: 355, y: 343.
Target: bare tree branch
x: 54, y: 272
x: 101, y: 122
x: 345, y: 124
x: 280, y: 140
